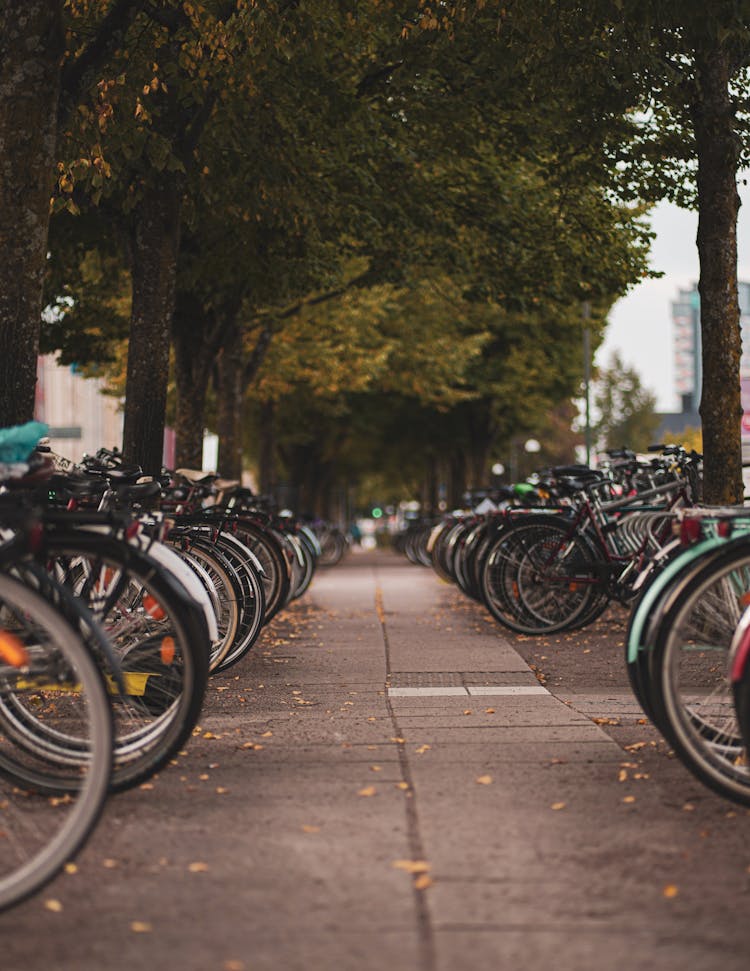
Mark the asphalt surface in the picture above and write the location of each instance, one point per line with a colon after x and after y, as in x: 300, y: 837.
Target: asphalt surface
x: 392, y: 782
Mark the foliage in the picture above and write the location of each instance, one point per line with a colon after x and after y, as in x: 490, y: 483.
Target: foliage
x: 627, y: 417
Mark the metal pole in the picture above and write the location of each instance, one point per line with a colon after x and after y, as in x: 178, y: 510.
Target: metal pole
x: 586, y: 314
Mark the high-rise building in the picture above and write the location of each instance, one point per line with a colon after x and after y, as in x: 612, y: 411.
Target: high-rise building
x: 686, y: 319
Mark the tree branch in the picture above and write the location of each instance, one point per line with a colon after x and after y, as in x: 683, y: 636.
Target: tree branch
x: 108, y: 35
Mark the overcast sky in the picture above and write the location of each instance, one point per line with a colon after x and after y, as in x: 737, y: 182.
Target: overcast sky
x: 640, y: 326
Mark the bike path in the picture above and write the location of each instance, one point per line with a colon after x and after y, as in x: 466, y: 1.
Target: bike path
x: 383, y: 784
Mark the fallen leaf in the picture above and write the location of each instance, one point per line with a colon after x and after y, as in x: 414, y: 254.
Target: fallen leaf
x: 489, y: 711
x: 54, y: 905
x: 233, y: 966
x: 221, y: 791
x: 558, y: 805
x: 267, y: 735
x: 208, y: 735
x: 311, y: 829
x: 422, y: 749
x: 628, y: 799
x: 468, y: 711
x: 71, y: 868
x: 484, y: 780
x: 141, y: 927
x: 198, y: 867
x: 688, y: 807
x: 367, y: 791
x: 398, y: 741
x: 670, y: 891
x: 109, y: 863
x: 422, y: 882
x: 411, y: 866
x: 623, y: 775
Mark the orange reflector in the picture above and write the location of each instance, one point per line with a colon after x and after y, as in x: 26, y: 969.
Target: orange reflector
x: 515, y: 590
x: 745, y: 599
x: 572, y: 587
x: 153, y: 608
x: 167, y: 650
x: 12, y: 650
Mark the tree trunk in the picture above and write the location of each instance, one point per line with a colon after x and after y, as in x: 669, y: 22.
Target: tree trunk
x: 267, y: 472
x: 230, y: 393
x: 192, y: 367
x: 31, y: 46
x: 718, y: 203
x: 155, y: 248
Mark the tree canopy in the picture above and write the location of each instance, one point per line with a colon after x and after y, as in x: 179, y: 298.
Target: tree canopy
x: 373, y: 209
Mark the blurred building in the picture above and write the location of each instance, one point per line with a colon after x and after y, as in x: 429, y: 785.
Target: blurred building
x: 81, y: 419
x: 686, y: 322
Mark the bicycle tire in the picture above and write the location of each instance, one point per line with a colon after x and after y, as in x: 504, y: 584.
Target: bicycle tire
x: 58, y: 658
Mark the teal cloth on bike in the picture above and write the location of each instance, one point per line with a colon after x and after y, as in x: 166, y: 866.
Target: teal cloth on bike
x: 19, y: 441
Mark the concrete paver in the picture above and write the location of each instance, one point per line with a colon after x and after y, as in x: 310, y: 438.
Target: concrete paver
x: 520, y: 834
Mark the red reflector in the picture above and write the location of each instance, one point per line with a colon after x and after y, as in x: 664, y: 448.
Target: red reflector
x: 690, y: 530
x: 724, y: 529
x: 131, y: 530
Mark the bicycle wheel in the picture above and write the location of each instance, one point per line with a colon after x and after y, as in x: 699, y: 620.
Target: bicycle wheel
x: 46, y: 668
x: 226, y: 587
x: 158, y: 635
x: 539, y: 579
x: 654, y: 602
x: 690, y: 687
x: 248, y: 572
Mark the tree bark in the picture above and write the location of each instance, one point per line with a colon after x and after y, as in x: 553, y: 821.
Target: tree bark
x: 192, y: 370
x: 155, y: 247
x: 717, y: 150
x: 230, y: 394
x: 267, y: 463
x: 31, y: 47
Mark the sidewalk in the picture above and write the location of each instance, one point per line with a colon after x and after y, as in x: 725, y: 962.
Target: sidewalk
x: 385, y: 784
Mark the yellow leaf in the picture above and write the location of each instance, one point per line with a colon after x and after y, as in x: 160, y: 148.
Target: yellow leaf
x: 376, y: 768
x: 628, y: 799
x: 422, y: 749
x: 367, y: 791
x: 484, y: 780
x: 141, y: 927
x: 411, y: 866
x: 422, y: 882
x: 221, y: 791
x: 311, y: 829
x: 402, y: 785
x: 670, y: 891
x: 109, y: 863
x: 198, y: 867
x: 54, y: 905
x: 558, y: 805
x: 490, y: 711
x: 71, y: 868
x: 622, y: 775
x: 267, y: 735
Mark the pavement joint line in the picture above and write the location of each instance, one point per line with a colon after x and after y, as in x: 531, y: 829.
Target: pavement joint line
x: 496, y: 689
